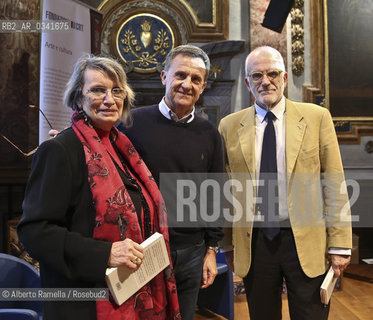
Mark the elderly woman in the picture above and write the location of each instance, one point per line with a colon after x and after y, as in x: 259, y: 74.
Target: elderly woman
x: 90, y: 200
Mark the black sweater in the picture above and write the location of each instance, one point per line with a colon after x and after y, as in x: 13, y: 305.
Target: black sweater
x: 170, y: 147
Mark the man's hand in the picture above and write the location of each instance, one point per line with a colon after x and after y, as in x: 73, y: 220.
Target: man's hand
x: 229, y: 258
x: 209, y: 270
x: 339, y: 263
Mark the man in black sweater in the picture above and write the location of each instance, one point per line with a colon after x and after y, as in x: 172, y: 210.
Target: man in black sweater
x: 172, y: 138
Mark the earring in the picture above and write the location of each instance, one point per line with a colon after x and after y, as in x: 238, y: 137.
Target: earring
x: 83, y: 115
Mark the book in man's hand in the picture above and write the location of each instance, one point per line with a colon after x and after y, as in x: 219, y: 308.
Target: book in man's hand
x: 327, y: 286
x: 123, y: 282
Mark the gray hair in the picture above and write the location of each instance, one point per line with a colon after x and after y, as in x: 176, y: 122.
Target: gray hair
x: 73, y: 91
x: 272, y: 50
x: 189, y: 51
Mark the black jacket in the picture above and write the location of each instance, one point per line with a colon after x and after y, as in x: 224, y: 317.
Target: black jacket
x: 57, y: 225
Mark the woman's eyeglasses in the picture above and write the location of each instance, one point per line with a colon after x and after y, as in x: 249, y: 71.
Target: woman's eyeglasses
x: 101, y: 92
x: 27, y: 154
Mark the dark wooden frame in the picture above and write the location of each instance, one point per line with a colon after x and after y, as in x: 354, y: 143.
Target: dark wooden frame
x: 318, y: 90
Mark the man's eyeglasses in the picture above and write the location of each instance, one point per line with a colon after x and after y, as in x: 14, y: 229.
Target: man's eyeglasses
x: 27, y: 154
x: 101, y: 92
x: 257, y: 76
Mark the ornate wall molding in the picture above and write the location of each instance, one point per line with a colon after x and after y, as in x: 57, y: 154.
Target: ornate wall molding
x: 353, y: 130
x: 115, y: 13
x: 179, y: 14
x: 297, y: 37
x: 315, y: 90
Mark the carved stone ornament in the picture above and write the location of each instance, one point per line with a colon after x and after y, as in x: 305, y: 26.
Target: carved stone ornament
x: 297, y: 37
x: 299, y: 3
x: 297, y: 47
x: 297, y: 16
x: 298, y: 65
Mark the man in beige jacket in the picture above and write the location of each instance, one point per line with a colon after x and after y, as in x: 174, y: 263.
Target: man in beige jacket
x: 311, y: 224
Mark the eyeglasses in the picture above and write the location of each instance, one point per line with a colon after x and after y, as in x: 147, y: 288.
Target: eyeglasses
x: 101, y: 92
x: 257, y: 76
x: 27, y: 154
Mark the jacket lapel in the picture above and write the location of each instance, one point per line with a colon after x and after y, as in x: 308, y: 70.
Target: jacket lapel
x: 295, y: 129
x: 246, y: 136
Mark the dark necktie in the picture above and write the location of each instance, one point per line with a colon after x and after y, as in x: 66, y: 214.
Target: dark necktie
x: 268, y: 174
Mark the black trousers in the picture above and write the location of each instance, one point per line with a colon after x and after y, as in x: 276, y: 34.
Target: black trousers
x: 188, y: 264
x: 273, y: 261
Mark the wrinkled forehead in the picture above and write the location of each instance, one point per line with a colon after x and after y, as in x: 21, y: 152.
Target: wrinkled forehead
x: 99, y: 75
x: 188, y: 61
x: 94, y: 73
x: 264, y: 60
x: 192, y: 65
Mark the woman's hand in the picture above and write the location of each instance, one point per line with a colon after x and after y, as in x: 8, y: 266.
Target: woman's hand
x: 127, y: 253
x: 52, y: 133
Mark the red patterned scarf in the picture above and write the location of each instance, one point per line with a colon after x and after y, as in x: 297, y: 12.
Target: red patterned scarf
x: 157, y: 299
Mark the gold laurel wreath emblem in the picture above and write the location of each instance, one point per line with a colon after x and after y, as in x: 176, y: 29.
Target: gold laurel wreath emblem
x: 144, y: 58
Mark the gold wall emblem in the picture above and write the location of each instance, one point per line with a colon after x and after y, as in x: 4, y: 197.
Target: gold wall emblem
x: 144, y: 40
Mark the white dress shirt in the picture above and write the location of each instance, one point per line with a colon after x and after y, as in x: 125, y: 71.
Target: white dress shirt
x: 166, y: 111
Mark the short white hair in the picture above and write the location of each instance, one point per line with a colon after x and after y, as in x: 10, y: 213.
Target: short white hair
x: 276, y: 54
